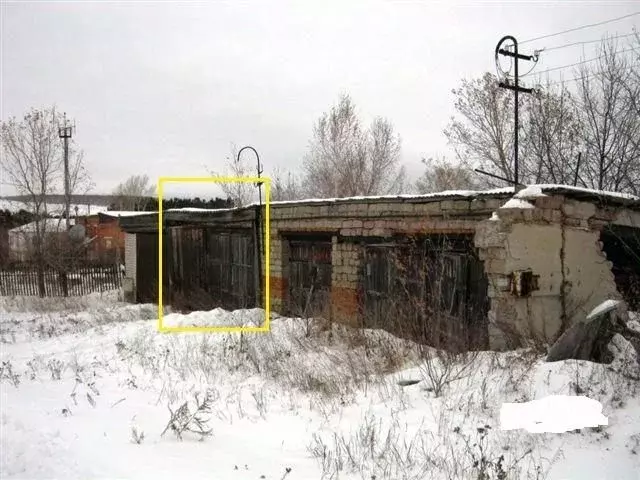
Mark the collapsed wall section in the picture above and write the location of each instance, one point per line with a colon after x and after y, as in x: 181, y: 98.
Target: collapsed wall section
x: 546, y: 265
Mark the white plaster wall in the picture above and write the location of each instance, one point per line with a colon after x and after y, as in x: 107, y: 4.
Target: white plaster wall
x: 588, y: 273
x: 536, y: 247
x: 587, y: 276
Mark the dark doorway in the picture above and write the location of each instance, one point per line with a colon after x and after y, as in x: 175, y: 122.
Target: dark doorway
x: 309, y: 275
x: 622, y: 247
x: 147, y: 268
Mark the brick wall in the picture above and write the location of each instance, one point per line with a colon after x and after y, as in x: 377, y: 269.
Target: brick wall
x: 109, y: 241
x: 350, y: 222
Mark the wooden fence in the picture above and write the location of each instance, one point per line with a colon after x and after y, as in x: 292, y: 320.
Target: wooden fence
x: 81, y: 280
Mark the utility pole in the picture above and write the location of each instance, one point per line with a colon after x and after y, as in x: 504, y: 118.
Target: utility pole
x: 65, y: 133
x: 517, y: 89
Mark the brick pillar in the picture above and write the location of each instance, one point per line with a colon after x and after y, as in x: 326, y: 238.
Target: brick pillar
x: 345, y: 261
x: 279, y: 272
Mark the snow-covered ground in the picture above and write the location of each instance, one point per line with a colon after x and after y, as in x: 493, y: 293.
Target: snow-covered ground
x: 89, y: 386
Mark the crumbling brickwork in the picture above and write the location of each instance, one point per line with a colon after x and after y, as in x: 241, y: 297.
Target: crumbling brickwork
x: 556, y: 240
x: 351, y: 222
x: 542, y: 252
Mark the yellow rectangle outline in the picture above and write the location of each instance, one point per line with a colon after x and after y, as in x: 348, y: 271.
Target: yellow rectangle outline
x: 267, y: 304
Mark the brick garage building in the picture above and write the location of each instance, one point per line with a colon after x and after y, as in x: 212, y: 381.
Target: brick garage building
x: 461, y: 269
x: 106, y: 239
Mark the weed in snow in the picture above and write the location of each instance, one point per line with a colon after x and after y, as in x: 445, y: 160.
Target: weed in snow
x: 183, y: 420
x: 56, y: 367
x: 7, y: 373
x: 137, y: 437
x: 330, y: 369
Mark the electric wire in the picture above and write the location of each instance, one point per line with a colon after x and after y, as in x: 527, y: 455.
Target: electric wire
x: 582, y: 27
x: 559, y: 47
x: 562, y: 67
x: 583, y: 77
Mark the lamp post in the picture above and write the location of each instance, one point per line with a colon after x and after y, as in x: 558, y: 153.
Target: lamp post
x: 259, y: 169
x: 258, y: 229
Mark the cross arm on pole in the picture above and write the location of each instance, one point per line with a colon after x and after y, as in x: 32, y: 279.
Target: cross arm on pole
x: 513, y: 87
x: 508, y: 53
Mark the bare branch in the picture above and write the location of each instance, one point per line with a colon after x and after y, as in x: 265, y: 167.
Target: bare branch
x: 133, y: 193
x: 345, y: 160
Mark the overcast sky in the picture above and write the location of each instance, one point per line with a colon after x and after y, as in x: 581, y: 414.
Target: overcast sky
x: 164, y: 88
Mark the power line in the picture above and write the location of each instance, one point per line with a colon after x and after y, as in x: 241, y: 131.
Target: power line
x: 558, y: 47
x: 582, y: 27
x: 583, y: 77
x: 581, y: 62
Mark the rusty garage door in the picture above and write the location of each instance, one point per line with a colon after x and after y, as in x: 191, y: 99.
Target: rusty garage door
x: 309, y: 275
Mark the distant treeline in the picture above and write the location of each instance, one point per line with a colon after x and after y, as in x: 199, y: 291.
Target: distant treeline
x: 151, y: 204
x: 9, y: 219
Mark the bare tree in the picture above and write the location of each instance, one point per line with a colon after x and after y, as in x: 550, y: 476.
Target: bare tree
x: 633, y: 84
x: 482, y: 131
x: 441, y: 174
x: 610, y: 122
x: 600, y: 122
x: 346, y: 160
x: 133, y: 193
x: 285, y: 186
x: 241, y: 193
x: 33, y: 163
x: 551, y: 140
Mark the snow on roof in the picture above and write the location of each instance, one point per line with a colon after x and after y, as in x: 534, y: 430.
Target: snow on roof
x: 193, y: 209
x: 436, y: 195
x: 426, y: 196
x: 14, y: 206
x: 117, y: 213
x: 517, y: 203
x: 536, y: 191
x: 50, y: 225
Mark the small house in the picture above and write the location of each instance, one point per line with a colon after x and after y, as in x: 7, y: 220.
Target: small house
x: 21, y: 239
